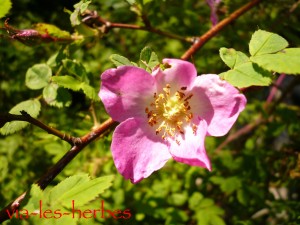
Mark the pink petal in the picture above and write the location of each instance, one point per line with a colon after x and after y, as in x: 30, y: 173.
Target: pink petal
x: 126, y: 91
x: 180, y: 74
x: 191, y: 149
x: 218, y: 102
x: 137, y: 151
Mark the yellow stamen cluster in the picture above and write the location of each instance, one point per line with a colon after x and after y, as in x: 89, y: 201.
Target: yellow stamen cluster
x: 169, y: 114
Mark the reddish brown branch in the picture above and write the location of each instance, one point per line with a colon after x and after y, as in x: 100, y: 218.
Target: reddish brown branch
x: 241, y: 132
x: 216, y: 29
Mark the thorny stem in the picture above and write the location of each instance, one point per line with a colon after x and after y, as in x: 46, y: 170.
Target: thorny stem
x: 104, y: 127
x: 217, y: 28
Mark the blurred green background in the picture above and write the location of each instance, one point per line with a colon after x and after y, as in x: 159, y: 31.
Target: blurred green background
x: 255, y: 179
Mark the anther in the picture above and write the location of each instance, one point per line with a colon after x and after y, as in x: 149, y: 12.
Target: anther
x: 195, y: 127
x: 188, y: 97
x: 181, y: 95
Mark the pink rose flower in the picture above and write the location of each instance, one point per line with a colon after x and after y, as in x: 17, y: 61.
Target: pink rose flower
x: 166, y: 114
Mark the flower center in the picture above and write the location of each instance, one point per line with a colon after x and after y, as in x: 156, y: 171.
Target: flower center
x: 170, y: 114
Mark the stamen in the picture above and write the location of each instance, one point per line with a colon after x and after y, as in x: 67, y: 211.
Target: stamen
x: 195, y: 127
x: 170, y: 114
x: 188, y: 97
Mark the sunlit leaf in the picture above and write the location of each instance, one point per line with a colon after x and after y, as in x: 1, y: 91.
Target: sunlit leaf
x: 32, y: 107
x: 56, y: 96
x: 263, y: 42
x: 74, y: 68
x: 38, y: 76
x: 65, y: 186
x: 5, y: 7
x: 67, y: 82
x: 89, y: 91
x: 246, y: 75
x: 71, y: 83
x: 79, y: 8
x: 148, y: 59
x: 79, y: 189
x: 119, y: 60
x: 232, y: 58
x: 52, y: 30
x: 285, y: 61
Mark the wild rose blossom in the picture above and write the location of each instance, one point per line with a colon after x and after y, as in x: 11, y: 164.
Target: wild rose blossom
x: 166, y: 114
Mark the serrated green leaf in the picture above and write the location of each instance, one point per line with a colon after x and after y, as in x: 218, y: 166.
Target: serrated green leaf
x: 119, y: 60
x: 32, y: 107
x: 233, y: 58
x: 75, y: 68
x: 148, y: 59
x: 59, y: 220
x: 53, y: 31
x: 89, y: 91
x: 35, y: 196
x: 67, y: 82
x: 56, y: 59
x: 79, y: 189
x: 57, y: 96
x: 79, y: 8
x: 246, y: 75
x: 263, y: 42
x: 285, y: 61
x: 75, y: 85
x: 38, y: 76
x: 64, y: 186
x: 5, y: 7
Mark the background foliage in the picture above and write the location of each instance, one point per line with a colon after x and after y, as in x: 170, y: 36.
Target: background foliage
x: 255, y: 179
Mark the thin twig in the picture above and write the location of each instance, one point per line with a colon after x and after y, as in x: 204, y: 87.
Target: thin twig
x: 50, y: 130
x: 45, y: 180
x: 216, y: 29
x: 93, y: 18
x: 269, y: 110
x: 94, y: 116
x: 274, y: 89
x: 150, y: 29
